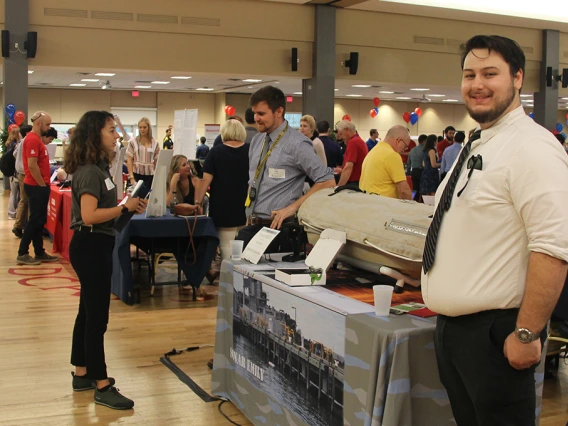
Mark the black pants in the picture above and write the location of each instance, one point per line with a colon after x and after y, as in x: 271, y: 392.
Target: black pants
x: 38, y: 198
x: 91, y: 257
x: 147, y: 179
x: 443, y: 175
x: 416, y: 175
x: 280, y: 244
x: 484, y: 390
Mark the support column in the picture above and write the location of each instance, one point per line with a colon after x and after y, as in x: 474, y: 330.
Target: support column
x: 546, y: 101
x: 318, y: 92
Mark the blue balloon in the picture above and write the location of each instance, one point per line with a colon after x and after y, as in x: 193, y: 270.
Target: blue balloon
x: 413, y: 118
x: 567, y: 122
x: 531, y: 115
x: 376, y: 110
x: 563, y: 134
x: 11, y: 121
x: 559, y: 127
x: 10, y: 109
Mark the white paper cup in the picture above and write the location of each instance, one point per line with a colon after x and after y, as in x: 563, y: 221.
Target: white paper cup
x: 383, y: 298
x: 236, y: 249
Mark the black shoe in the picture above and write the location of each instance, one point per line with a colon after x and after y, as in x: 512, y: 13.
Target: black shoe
x: 46, y: 258
x: 18, y: 232
x: 112, y: 398
x: 84, y: 383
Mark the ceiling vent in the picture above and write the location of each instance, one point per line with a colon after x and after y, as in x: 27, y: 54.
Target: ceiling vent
x: 65, y: 13
x: 112, y: 16
x: 527, y: 49
x: 188, y: 20
x: 429, y: 40
x: 157, y: 19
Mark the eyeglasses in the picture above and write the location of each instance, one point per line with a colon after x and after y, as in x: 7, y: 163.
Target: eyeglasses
x: 402, y: 140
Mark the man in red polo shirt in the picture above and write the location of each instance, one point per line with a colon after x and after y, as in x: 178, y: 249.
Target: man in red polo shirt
x: 355, y: 153
x: 449, y: 132
x: 36, y: 186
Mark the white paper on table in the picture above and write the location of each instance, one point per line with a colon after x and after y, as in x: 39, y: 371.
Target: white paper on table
x: 258, y: 245
x: 53, y: 176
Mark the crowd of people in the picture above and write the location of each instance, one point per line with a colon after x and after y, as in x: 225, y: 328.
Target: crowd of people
x: 496, y: 246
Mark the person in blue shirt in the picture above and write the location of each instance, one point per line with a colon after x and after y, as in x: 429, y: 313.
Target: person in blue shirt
x: 373, y: 140
x: 451, y: 154
x: 202, y: 150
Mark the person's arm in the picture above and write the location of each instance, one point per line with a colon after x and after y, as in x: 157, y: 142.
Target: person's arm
x: 92, y: 215
x: 156, y: 153
x: 320, y: 151
x: 433, y: 159
x: 278, y: 216
x: 403, y: 190
x: 444, y: 163
x: 130, y: 153
x: 35, y: 172
x: 544, y: 282
x: 201, y: 189
x: 173, y: 188
x: 125, y: 135
x: 345, y: 173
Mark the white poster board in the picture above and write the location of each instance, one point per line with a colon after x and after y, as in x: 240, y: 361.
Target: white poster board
x: 157, y: 201
x: 211, y: 132
x: 116, y: 172
x: 51, y: 150
x: 185, y: 129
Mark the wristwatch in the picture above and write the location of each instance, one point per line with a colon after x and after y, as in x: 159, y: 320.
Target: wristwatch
x: 525, y: 335
x: 124, y: 210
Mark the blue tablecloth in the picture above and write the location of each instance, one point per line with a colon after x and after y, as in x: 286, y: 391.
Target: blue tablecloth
x: 166, y: 234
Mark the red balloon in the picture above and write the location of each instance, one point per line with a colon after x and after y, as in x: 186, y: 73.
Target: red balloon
x: 12, y: 127
x: 346, y: 117
x: 406, y: 117
x: 226, y: 109
x: 231, y: 110
x: 418, y: 112
x: 373, y: 113
x: 19, y: 117
x: 566, y: 116
x: 376, y: 101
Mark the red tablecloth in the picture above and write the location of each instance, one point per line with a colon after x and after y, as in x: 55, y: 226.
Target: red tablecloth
x: 59, y: 219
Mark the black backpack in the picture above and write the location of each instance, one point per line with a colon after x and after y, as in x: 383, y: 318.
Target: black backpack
x: 8, y: 162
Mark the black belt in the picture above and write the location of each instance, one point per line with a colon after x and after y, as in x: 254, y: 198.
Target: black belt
x: 253, y: 220
x: 90, y: 229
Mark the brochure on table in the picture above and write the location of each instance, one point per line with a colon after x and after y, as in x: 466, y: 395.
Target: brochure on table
x: 317, y: 262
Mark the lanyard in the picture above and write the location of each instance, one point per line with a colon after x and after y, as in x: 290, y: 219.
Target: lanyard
x: 262, y: 163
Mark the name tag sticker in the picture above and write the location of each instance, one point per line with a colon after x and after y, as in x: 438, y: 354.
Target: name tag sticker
x: 277, y: 173
x: 109, y: 184
x: 150, y: 150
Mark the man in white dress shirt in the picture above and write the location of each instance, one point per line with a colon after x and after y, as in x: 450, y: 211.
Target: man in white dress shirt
x: 500, y: 245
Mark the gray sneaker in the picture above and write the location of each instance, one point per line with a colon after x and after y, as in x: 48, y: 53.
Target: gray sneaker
x: 46, y: 258
x: 84, y: 383
x: 26, y: 259
x: 113, y: 399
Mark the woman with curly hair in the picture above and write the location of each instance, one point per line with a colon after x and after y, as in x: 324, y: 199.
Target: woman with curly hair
x: 93, y: 213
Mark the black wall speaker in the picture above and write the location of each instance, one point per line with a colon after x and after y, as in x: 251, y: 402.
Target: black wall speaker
x: 548, y: 76
x: 5, y: 43
x: 353, y: 62
x: 31, y: 44
x: 565, y: 78
x: 294, y: 59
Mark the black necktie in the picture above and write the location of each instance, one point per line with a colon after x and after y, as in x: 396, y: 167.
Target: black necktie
x: 444, y: 206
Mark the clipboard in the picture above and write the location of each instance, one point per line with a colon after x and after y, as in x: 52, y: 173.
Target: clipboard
x: 140, y: 190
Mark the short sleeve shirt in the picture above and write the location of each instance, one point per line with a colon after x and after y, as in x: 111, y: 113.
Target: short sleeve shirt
x: 143, y: 158
x: 382, y: 170
x: 355, y: 153
x: 94, y: 180
x: 34, y: 147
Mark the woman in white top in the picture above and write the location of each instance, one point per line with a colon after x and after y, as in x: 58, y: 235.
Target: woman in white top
x: 307, y: 128
x: 142, y: 154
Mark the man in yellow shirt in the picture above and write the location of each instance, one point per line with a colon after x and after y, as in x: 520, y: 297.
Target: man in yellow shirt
x: 383, y: 171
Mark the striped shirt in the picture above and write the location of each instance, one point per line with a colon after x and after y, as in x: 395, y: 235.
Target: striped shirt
x: 143, y: 158
x: 286, y: 169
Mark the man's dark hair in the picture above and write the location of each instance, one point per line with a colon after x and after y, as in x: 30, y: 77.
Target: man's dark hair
x: 372, y: 132
x: 273, y: 96
x: 25, y: 129
x: 51, y: 133
x: 509, y: 50
x: 202, y: 139
x: 459, y: 137
x: 447, y: 129
x: 249, y: 116
x: 440, y: 138
x: 323, y: 126
x: 559, y: 136
x: 422, y: 138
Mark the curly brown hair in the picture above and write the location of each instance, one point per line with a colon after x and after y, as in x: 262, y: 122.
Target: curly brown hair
x: 85, y: 144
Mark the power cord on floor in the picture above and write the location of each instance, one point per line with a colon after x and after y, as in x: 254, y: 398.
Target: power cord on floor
x: 190, y: 383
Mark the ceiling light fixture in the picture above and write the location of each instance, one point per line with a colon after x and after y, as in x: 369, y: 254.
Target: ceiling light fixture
x: 565, y: 99
x: 91, y: 80
x: 142, y: 87
x: 361, y: 86
x: 160, y: 82
x: 420, y: 89
x: 106, y: 85
x: 402, y: 97
x: 526, y: 96
x: 180, y: 77
x: 297, y: 93
x: 252, y: 80
x: 336, y: 90
x: 434, y: 95
x: 77, y: 84
x: 30, y: 72
x: 450, y: 100
x: 353, y: 96
x: 386, y: 92
x: 105, y: 74
x: 205, y: 89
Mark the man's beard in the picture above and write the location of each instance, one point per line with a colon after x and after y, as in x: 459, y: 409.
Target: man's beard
x: 45, y: 133
x: 450, y: 138
x: 496, y: 112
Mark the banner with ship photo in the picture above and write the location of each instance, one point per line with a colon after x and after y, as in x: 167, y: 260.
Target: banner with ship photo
x: 290, y: 349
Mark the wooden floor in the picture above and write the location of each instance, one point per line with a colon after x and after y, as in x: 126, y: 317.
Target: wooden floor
x: 37, y: 310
